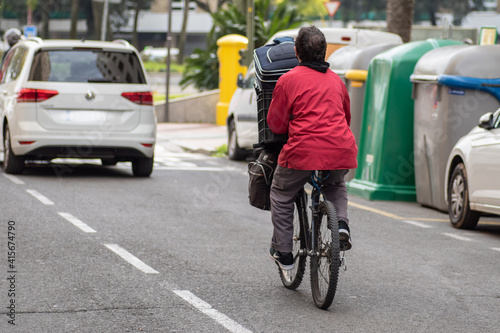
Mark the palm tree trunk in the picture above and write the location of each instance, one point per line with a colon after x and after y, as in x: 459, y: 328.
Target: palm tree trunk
x: 183, y: 36
x: 45, y: 19
x: 74, y: 19
x: 400, y: 17
x: 97, y: 12
x: 135, y: 36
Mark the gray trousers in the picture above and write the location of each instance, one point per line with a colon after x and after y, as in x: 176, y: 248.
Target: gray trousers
x: 285, y: 186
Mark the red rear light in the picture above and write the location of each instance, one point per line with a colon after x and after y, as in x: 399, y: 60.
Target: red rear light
x: 346, y: 39
x: 35, y: 95
x: 139, y: 97
x: 26, y: 142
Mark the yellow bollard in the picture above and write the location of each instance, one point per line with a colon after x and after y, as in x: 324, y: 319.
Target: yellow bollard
x: 229, y: 68
x: 357, y: 77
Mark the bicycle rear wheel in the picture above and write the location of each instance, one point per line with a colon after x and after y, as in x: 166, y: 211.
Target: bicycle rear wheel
x: 325, y: 266
x: 292, y: 278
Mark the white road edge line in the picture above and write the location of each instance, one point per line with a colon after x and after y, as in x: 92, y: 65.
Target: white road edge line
x: 13, y: 179
x: 496, y: 248
x: 131, y: 259
x: 417, y: 224
x: 187, y: 168
x: 207, y: 309
x: 462, y: 238
x: 43, y: 199
x: 76, y: 222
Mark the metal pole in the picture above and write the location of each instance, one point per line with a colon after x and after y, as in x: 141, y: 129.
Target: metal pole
x: 29, y: 19
x: 250, y: 30
x: 104, y: 20
x: 169, y: 42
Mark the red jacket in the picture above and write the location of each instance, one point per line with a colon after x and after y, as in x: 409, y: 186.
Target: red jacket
x: 314, y: 109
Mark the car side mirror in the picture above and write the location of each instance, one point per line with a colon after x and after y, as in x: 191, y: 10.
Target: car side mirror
x: 486, y: 121
x: 239, y: 81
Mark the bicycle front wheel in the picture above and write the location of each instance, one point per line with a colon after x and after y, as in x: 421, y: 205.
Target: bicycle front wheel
x: 292, y: 278
x: 325, y: 264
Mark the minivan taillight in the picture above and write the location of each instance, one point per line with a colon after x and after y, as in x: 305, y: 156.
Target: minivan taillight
x: 35, y: 95
x: 139, y: 97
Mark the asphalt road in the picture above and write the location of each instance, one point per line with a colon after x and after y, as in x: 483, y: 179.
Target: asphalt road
x: 97, y: 250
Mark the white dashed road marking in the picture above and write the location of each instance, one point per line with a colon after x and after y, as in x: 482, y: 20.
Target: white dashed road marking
x: 43, y: 199
x: 462, y: 238
x: 496, y: 248
x: 13, y: 179
x: 131, y: 259
x: 211, y: 169
x: 207, y: 309
x: 417, y: 224
x: 76, y: 222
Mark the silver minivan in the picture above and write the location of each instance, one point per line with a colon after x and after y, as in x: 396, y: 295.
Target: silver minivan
x: 76, y: 99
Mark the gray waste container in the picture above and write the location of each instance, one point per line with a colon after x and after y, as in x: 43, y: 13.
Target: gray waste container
x: 452, y: 87
x: 351, y: 64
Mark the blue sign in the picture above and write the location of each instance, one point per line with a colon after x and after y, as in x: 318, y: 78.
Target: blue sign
x: 30, y: 31
x: 456, y: 91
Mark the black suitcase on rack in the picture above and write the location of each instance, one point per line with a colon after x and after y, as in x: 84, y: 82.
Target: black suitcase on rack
x: 271, y: 61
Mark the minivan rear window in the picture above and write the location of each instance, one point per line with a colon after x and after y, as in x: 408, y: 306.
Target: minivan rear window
x: 86, y: 66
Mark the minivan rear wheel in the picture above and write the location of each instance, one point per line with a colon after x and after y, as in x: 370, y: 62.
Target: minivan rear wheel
x: 142, y: 167
x: 11, y: 163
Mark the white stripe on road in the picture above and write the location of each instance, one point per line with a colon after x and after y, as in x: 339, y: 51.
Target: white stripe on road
x: 462, y: 238
x: 417, y: 224
x: 131, y: 259
x: 43, y: 199
x: 76, y: 222
x: 13, y: 179
x: 189, y: 168
x: 207, y: 309
x: 496, y: 248
x: 175, y: 168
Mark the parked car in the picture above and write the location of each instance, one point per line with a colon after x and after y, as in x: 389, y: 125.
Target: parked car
x: 242, y: 129
x: 472, y: 185
x: 76, y: 99
x: 242, y: 112
x: 157, y: 53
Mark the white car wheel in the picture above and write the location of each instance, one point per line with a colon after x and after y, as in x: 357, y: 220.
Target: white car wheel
x: 461, y: 216
x: 234, y: 152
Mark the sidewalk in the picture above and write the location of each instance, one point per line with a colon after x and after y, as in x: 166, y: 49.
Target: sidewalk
x: 202, y: 138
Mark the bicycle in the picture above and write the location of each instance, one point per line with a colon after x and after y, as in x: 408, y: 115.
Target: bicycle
x: 319, y: 241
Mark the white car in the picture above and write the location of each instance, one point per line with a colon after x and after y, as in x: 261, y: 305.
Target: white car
x: 242, y: 112
x: 76, y: 99
x: 242, y: 129
x: 472, y: 185
x: 158, y: 53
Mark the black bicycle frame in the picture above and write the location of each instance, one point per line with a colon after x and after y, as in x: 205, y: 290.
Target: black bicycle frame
x: 315, y: 196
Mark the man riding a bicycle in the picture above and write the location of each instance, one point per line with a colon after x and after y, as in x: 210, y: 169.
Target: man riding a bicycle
x: 312, y: 105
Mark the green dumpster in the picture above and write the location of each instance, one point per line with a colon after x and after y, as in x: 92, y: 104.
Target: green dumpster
x: 385, y: 158
x: 351, y: 63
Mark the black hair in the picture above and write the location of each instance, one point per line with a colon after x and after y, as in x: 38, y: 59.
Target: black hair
x: 310, y: 44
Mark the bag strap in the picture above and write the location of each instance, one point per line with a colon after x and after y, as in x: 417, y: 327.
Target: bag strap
x: 267, y: 175
x: 282, y: 39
